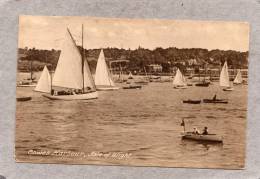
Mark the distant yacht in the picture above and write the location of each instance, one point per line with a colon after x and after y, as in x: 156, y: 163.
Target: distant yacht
x: 238, y: 79
x: 179, y: 81
x: 103, y: 77
x: 44, y: 83
x: 224, y: 78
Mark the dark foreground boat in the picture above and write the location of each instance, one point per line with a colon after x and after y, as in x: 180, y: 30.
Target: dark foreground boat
x: 202, y: 138
x: 228, y: 89
x: 132, y: 87
x: 225, y: 101
x: 189, y: 101
x: 23, y: 98
x: 203, y: 84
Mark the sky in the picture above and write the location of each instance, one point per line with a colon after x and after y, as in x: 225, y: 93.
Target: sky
x: 47, y: 32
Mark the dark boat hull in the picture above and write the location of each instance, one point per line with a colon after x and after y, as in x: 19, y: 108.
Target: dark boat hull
x: 23, y: 98
x: 192, y: 101
x: 203, y: 138
x: 224, y: 101
x: 133, y: 87
x: 206, y: 84
x: 211, y: 138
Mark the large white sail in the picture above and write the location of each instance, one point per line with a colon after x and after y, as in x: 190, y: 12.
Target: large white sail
x: 44, y: 83
x: 179, y: 79
x: 88, y: 79
x: 68, y: 72
x: 102, y: 76
x: 238, y: 79
x: 224, y: 76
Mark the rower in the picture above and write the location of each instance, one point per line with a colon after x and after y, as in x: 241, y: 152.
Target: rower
x: 215, y: 97
x: 205, y: 131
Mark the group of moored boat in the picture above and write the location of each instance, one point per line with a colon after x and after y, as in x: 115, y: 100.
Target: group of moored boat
x: 180, y: 82
x: 223, y: 101
x: 73, y: 73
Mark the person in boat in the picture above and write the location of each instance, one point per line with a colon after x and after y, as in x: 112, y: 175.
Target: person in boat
x: 215, y: 97
x: 195, y: 131
x: 205, y: 131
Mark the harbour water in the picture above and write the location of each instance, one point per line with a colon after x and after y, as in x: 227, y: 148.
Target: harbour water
x: 142, y: 123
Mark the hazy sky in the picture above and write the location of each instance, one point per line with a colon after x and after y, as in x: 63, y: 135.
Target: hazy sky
x: 47, y: 32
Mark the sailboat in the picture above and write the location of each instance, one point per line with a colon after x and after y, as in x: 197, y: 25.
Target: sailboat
x: 44, y: 83
x: 238, y: 79
x: 179, y: 81
x: 130, y: 76
x: 103, y: 78
x: 224, y: 78
x: 72, y: 74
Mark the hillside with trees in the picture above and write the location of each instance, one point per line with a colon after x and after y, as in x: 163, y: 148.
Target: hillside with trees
x: 139, y: 58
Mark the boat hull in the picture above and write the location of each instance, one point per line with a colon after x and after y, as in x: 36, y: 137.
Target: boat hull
x: 133, y: 87
x: 180, y: 87
x: 30, y: 85
x: 142, y: 82
x: 85, y: 96
x: 228, y: 89
x: 108, y: 88
x: 225, y: 101
x: 203, y: 138
x: 202, y: 84
x: 192, y: 101
x: 23, y: 98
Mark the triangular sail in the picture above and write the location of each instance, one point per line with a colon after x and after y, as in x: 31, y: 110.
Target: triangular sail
x: 88, y: 79
x: 68, y: 72
x: 130, y: 75
x: 224, y: 76
x: 238, y: 79
x: 103, y: 76
x: 179, y: 79
x: 44, y: 83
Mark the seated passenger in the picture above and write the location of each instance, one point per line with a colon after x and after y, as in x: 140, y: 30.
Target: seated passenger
x: 205, y: 131
x: 195, y: 131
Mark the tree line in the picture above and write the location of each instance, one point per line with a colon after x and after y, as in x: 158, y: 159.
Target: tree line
x: 140, y: 57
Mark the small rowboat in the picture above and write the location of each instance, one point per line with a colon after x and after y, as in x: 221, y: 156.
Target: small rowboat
x: 180, y: 87
x: 203, y: 84
x: 189, y: 101
x: 202, y: 138
x: 224, y: 101
x: 142, y: 82
x: 228, y: 89
x: 26, y: 98
x: 132, y: 87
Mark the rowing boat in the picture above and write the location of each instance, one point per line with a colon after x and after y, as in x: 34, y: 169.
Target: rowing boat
x: 202, y: 138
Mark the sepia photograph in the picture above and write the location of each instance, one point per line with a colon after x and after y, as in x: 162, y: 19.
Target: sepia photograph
x: 131, y: 92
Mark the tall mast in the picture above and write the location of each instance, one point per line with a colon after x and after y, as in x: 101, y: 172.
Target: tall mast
x: 83, y: 55
x: 31, y: 70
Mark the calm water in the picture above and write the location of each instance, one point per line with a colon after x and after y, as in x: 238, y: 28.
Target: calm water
x: 145, y: 123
